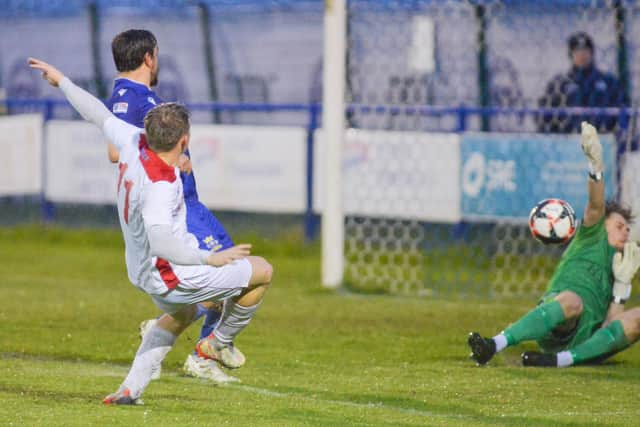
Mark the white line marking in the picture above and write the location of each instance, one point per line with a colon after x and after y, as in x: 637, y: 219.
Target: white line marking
x: 371, y: 405
x: 424, y: 413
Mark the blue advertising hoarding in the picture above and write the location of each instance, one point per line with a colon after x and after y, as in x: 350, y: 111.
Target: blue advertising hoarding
x: 503, y: 176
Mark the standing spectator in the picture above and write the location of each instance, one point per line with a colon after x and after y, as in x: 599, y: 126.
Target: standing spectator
x: 583, y: 86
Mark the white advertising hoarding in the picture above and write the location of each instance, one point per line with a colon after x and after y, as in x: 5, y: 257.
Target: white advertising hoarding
x: 236, y: 167
x: 247, y: 168
x: 409, y: 175
x: 78, y: 169
x: 21, y: 160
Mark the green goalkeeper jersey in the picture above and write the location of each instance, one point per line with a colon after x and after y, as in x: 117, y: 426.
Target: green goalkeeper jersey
x: 585, y: 268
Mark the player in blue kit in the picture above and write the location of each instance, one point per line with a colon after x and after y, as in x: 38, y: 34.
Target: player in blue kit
x: 135, y: 54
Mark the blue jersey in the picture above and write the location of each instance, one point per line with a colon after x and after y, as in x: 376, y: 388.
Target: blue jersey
x: 131, y: 101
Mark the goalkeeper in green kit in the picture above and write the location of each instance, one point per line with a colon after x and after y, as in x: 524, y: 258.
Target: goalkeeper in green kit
x: 581, y: 318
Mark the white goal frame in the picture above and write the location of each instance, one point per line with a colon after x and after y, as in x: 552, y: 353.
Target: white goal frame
x: 333, y: 123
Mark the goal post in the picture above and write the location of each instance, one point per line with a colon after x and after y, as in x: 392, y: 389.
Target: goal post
x: 333, y: 123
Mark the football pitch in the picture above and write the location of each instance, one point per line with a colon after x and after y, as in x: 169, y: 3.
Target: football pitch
x: 68, y: 332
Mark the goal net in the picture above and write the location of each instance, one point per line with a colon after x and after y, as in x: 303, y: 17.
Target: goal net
x: 455, y: 131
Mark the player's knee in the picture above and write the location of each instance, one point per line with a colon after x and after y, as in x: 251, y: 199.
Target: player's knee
x: 267, y: 273
x: 177, y: 322
x: 571, y: 304
x: 575, y: 307
x: 262, y: 271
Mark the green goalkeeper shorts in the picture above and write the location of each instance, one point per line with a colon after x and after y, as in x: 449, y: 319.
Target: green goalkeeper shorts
x: 567, y: 336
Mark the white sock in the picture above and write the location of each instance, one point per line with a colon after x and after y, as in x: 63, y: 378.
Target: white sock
x: 154, y: 347
x: 233, y: 320
x: 564, y: 359
x: 501, y: 342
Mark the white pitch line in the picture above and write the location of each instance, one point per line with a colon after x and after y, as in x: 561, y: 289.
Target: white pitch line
x: 423, y: 413
x: 372, y: 405
x: 571, y: 414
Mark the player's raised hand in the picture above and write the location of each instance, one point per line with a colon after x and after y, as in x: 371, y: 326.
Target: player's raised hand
x: 218, y: 259
x: 591, y: 147
x: 50, y: 73
x: 625, y: 265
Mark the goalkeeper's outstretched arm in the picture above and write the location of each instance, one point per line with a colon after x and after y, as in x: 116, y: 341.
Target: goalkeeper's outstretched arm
x: 592, y: 149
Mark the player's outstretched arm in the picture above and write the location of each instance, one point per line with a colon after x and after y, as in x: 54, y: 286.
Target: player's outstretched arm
x: 89, y: 107
x: 51, y: 74
x: 592, y: 149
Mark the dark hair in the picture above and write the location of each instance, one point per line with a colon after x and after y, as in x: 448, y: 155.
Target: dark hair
x: 129, y: 48
x: 580, y: 40
x: 614, y: 207
x: 165, y: 125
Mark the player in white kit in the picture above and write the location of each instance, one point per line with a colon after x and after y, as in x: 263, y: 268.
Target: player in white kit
x: 162, y: 258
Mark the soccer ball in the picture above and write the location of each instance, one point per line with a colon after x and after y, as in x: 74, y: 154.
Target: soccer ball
x: 552, y: 221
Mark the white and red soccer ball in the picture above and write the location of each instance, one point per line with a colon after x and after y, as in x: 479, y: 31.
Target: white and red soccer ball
x: 552, y: 221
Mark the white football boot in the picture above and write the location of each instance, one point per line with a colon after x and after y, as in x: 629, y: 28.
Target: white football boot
x: 207, y: 369
x: 145, y: 326
x: 226, y: 354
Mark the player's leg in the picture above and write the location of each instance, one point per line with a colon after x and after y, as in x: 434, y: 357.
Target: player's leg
x: 553, y: 311
x: 214, y: 310
x: 236, y: 315
x: 146, y: 325
x: 606, y: 341
x: 211, y: 235
x: 204, y: 368
x: 152, y: 350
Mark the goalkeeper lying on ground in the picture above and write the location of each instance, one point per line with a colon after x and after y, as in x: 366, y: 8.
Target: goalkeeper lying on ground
x: 581, y: 317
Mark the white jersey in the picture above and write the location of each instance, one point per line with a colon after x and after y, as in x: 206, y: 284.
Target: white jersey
x: 149, y: 193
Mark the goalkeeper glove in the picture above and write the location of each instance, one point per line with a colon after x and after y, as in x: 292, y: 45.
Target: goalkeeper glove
x: 592, y: 149
x: 625, y: 265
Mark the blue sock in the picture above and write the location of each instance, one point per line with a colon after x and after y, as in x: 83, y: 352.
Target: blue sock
x: 201, y: 312
x: 210, y: 321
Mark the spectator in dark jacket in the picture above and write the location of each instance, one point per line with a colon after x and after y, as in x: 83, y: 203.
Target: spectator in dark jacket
x: 583, y: 86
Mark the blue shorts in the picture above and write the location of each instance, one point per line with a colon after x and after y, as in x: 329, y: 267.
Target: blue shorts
x: 205, y: 226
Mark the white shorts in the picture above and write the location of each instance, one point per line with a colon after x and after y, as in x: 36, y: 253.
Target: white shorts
x: 205, y: 284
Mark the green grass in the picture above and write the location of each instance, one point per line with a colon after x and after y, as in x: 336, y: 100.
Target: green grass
x: 69, y: 330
